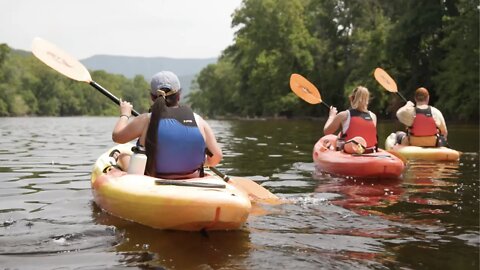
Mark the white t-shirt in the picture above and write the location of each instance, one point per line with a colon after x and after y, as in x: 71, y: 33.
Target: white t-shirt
x: 406, y: 115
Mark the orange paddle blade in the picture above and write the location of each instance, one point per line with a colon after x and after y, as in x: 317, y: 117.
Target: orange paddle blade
x: 59, y: 60
x: 304, y: 89
x: 385, y: 80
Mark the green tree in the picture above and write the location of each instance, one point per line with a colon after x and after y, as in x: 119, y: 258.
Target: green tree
x: 413, y: 44
x: 336, y: 44
x: 18, y: 106
x: 29, y: 87
x: 220, y: 89
x: 137, y: 91
x: 272, y: 42
x: 4, y: 52
x: 457, y: 80
x: 349, y: 47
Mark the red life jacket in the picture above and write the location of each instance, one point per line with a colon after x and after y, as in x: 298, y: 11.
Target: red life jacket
x: 361, y: 124
x: 423, y: 123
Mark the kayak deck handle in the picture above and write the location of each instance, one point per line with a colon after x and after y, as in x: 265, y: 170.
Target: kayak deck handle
x: 188, y: 184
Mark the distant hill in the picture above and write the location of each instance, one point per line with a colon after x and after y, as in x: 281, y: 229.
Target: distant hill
x: 20, y: 52
x: 186, y: 69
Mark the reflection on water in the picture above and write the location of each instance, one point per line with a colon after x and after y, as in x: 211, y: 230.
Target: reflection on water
x: 425, y: 184
x: 433, y: 207
x: 426, y: 220
x: 143, y: 246
x: 364, y: 196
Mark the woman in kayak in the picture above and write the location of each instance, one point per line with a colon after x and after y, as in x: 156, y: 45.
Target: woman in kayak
x: 355, y: 122
x: 177, y: 141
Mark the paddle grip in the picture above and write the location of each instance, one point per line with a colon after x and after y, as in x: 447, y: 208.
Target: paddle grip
x: 217, y: 172
x: 326, y: 105
x: 109, y: 95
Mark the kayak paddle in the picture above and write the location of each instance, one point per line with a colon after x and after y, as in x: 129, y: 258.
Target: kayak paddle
x: 65, y: 64
x: 387, y: 82
x: 305, y: 90
x: 308, y: 92
x: 260, y: 193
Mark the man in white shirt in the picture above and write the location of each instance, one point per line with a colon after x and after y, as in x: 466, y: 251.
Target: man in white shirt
x: 425, y: 123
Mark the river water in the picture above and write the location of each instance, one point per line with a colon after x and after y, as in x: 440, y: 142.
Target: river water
x: 428, y: 219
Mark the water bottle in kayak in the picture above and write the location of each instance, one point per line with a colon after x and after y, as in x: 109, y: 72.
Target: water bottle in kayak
x: 138, y: 161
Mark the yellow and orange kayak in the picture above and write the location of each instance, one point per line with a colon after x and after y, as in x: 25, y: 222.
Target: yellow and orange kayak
x: 206, y: 203
x: 421, y: 153
x: 381, y: 164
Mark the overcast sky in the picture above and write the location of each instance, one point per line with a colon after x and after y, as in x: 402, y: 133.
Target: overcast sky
x: 168, y: 28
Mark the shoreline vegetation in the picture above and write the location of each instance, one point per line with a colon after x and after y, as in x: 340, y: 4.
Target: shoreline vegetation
x: 422, y: 43
x: 320, y: 119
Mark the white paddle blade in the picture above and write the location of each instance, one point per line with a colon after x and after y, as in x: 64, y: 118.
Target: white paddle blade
x: 59, y: 60
x: 385, y: 80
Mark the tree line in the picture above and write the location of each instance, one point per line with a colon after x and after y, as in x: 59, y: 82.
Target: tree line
x: 29, y: 87
x: 337, y: 44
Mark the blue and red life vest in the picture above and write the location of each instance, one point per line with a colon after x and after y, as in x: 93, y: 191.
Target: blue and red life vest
x: 361, y: 124
x: 180, y: 145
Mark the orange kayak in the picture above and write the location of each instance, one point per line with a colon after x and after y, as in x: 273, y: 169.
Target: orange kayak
x: 381, y: 164
x: 206, y: 203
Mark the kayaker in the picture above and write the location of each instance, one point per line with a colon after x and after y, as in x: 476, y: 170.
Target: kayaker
x: 425, y: 124
x: 357, y: 121
x: 175, y: 138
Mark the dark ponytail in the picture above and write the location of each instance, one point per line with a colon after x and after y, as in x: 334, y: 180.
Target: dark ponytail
x: 157, y: 110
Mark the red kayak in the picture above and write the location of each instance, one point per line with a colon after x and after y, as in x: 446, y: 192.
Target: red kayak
x: 381, y: 164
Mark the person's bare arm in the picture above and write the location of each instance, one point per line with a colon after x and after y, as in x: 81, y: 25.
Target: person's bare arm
x: 334, y: 121
x: 210, y: 141
x: 374, y: 118
x: 442, y: 126
x: 126, y: 129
